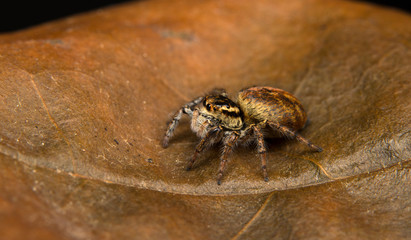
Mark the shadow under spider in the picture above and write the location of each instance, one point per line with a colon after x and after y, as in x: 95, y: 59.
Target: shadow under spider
x: 281, y: 146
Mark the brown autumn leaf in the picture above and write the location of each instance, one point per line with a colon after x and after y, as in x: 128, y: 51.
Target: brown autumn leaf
x: 84, y: 102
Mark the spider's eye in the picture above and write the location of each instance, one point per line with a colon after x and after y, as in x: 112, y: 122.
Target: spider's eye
x: 208, y: 107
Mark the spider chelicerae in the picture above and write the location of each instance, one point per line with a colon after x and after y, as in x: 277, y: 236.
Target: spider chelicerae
x: 216, y: 118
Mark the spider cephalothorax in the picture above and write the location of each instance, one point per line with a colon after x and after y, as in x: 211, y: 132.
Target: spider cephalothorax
x: 224, y: 111
x: 216, y: 118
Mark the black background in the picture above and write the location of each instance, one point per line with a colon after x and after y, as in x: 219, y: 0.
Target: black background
x: 17, y: 15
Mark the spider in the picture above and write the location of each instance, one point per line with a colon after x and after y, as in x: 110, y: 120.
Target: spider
x: 216, y: 118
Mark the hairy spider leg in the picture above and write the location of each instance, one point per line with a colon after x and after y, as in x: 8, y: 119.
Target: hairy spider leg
x: 229, y: 142
x: 201, y: 145
x: 261, y: 149
x: 293, y: 134
x: 187, y: 109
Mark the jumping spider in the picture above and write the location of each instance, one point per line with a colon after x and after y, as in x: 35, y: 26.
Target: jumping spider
x: 215, y: 118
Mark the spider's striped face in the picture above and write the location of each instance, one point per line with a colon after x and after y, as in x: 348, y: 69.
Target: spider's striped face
x: 225, y: 111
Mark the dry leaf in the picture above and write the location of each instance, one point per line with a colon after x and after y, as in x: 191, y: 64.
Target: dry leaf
x: 84, y: 103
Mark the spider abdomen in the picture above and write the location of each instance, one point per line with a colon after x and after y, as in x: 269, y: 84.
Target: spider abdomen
x: 261, y: 104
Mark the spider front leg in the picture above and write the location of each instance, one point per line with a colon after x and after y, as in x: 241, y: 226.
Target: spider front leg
x: 187, y: 109
x: 261, y: 149
x: 212, y: 133
x: 229, y: 142
x: 293, y: 134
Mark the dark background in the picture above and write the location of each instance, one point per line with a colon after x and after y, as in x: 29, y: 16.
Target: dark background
x: 17, y: 15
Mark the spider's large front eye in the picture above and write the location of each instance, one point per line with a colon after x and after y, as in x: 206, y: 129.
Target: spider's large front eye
x: 208, y: 107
